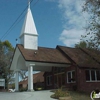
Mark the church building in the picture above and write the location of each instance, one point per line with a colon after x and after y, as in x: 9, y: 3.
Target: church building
x: 74, y: 68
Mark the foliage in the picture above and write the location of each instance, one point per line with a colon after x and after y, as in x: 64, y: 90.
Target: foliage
x: 59, y: 93
x: 22, y: 74
x: 23, y: 89
x: 6, y: 52
x: 38, y: 89
x: 82, y: 44
x: 92, y: 7
x: 38, y: 85
x: 75, y: 95
x: 13, y: 86
x: 7, y: 45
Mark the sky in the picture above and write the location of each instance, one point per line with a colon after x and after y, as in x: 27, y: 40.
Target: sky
x: 58, y: 22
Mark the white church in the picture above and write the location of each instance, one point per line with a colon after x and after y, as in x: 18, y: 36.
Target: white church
x: 28, y: 56
x: 28, y: 41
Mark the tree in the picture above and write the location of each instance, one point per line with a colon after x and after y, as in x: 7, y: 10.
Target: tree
x: 22, y: 74
x: 92, y: 7
x: 82, y: 44
x: 6, y: 52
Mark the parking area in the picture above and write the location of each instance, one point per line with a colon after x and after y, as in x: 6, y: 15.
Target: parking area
x: 36, y: 95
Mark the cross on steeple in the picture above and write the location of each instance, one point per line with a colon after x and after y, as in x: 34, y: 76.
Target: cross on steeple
x: 28, y: 3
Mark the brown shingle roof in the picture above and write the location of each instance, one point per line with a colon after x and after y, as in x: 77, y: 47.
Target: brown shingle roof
x: 43, y: 55
x: 23, y: 81
x: 38, y: 77
x: 94, y: 53
x: 79, y: 57
x: 60, y: 55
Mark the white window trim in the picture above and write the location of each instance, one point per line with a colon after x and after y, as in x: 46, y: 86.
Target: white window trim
x: 91, y: 77
x: 71, y: 76
x: 49, y: 80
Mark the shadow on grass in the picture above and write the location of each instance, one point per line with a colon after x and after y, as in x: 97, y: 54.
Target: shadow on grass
x: 79, y: 95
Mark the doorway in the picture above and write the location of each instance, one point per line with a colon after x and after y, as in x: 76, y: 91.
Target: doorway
x: 59, y: 80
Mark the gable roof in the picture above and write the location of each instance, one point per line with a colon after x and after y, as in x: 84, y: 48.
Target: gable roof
x: 47, y: 55
x: 62, y: 55
x: 77, y: 56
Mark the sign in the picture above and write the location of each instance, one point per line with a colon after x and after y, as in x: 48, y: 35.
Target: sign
x: 94, y: 95
x: 2, y: 82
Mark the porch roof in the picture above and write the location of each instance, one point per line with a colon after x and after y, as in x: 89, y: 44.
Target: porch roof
x: 49, y: 55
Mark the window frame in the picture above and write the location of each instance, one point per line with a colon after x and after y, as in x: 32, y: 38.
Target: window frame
x: 71, y: 76
x: 95, y: 71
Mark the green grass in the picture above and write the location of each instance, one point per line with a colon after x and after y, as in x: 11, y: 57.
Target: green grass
x: 79, y: 96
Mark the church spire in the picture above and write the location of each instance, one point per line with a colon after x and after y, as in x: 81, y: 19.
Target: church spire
x: 29, y: 33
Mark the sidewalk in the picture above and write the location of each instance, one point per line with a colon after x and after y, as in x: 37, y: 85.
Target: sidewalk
x: 36, y: 95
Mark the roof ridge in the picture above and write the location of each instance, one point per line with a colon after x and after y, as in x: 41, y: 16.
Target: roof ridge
x: 46, y: 47
x: 65, y: 46
x: 66, y: 55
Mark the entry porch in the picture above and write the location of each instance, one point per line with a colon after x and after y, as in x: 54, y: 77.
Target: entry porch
x: 42, y: 59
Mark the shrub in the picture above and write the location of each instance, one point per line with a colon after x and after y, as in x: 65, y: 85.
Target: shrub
x: 59, y: 93
x: 39, y: 88
x: 22, y: 89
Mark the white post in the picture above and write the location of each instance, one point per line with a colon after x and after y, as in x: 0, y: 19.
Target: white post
x: 17, y: 81
x: 30, y: 78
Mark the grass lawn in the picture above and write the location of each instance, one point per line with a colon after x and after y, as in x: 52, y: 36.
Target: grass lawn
x: 79, y: 96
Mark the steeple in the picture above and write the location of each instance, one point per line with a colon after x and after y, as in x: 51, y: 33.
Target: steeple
x: 29, y: 35
x: 29, y: 4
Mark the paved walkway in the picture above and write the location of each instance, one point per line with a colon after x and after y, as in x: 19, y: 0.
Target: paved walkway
x: 36, y: 95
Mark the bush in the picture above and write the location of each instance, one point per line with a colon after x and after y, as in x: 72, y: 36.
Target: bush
x: 22, y: 89
x: 59, y: 93
x: 39, y: 88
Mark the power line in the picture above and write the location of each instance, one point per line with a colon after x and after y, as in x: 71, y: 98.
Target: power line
x: 16, y: 21
x: 7, y: 32
x: 35, y: 2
